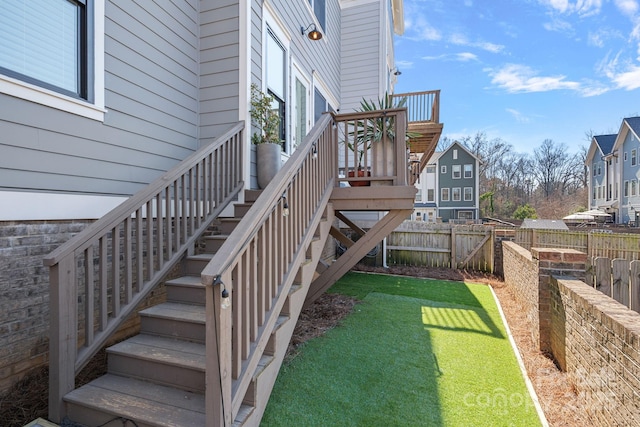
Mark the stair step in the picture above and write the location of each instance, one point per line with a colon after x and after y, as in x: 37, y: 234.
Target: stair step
x: 175, y: 320
x: 214, y: 242
x: 227, y: 225
x: 196, y: 263
x: 145, y: 403
x: 240, y: 209
x: 161, y: 360
x: 250, y: 397
x: 186, y: 289
x: 251, y: 196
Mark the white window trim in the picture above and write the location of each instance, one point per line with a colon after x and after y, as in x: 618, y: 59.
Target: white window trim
x: 464, y: 194
x: 453, y: 171
x: 298, y: 73
x: 453, y: 192
x: 50, y: 98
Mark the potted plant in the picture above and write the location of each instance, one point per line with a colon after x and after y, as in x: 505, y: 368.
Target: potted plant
x: 379, y: 134
x: 267, y: 137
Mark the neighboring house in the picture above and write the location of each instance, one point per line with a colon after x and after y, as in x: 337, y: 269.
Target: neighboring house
x: 614, y: 173
x: 448, y: 189
x: 99, y: 98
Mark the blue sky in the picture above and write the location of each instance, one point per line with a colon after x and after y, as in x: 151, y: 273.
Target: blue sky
x: 524, y: 70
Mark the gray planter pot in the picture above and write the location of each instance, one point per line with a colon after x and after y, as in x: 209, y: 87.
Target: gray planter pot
x: 268, y: 163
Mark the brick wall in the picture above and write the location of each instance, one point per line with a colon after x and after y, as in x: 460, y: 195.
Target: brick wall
x: 499, y: 236
x: 521, y: 276
x: 589, y: 335
x: 597, y: 341
x: 24, y: 295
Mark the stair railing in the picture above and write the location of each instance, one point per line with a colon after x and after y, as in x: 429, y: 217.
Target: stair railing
x: 256, y: 268
x: 99, y: 276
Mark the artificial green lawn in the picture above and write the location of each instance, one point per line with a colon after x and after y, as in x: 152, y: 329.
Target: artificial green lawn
x: 415, y: 352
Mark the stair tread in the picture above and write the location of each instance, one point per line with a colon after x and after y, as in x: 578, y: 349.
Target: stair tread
x: 141, y: 400
x: 185, y: 281
x: 203, y: 256
x: 175, y: 310
x: 216, y: 237
x: 164, y: 350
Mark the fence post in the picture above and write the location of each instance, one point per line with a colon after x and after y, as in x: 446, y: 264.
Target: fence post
x: 454, y: 263
x: 603, y: 275
x: 634, y: 283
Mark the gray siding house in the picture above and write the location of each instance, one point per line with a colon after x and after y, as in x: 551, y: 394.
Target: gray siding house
x: 448, y: 188
x: 614, y: 173
x: 99, y: 98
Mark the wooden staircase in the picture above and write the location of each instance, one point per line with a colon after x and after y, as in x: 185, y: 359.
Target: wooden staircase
x: 157, y: 378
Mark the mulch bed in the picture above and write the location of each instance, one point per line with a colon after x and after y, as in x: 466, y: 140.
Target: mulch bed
x: 27, y: 400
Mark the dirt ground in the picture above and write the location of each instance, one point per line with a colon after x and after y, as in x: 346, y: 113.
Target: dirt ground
x: 28, y: 399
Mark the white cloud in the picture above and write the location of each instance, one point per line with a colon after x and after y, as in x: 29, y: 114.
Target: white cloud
x: 460, y: 57
x: 599, y: 37
x: 558, y: 25
x: 520, y: 118
x: 419, y: 29
x: 581, y: 7
x: 627, y: 7
x: 516, y: 78
x: 628, y: 79
x: 462, y: 40
x: 404, y: 64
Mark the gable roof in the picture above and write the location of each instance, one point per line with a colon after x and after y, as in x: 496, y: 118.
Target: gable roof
x: 634, y: 124
x: 605, y: 142
x: 435, y: 156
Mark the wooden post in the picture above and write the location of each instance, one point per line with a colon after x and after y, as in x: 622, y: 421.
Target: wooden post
x: 454, y: 263
x: 218, y: 356
x: 63, y: 335
x: 635, y: 286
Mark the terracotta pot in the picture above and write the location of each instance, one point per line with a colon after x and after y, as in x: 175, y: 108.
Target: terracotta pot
x: 361, y: 174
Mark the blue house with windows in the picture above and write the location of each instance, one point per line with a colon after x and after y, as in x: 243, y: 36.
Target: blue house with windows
x: 614, y: 173
x: 448, y: 189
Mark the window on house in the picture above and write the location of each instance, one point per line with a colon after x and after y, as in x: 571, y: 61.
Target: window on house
x: 468, y: 171
x: 594, y: 170
x: 468, y: 194
x: 594, y: 193
x: 431, y: 195
x: 419, y: 196
x: 609, y: 191
x: 276, y: 80
x: 634, y: 186
x: 456, y: 194
x: 625, y: 156
x: 431, y: 169
x: 455, y: 154
x: 465, y: 215
x: 599, y: 169
x: 444, y: 194
x: 46, y: 43
x: 626, y: 189
x: 319, y: 9
x: 443, y: 169
x: 456, y: 171
x: 633, y: 157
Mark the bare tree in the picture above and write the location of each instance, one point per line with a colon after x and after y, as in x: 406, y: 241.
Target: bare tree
x: 551, y: 166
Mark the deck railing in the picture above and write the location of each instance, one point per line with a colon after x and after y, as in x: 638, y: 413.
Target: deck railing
x: 368, y: 149
x: 421, y: 106
x: 99, y: 276
x: 257, y: 266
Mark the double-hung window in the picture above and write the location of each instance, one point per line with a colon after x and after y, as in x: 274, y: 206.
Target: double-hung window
x: 444, y: 194
x: 468, y: 171
x: 319, y: 9
x: 634, y: 158
x: 456, y: 171
x: 468, y: 194
x: 47, y: 43
x: 456, y: 194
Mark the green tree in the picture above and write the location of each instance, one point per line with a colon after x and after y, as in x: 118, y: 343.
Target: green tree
x: 525, y: 211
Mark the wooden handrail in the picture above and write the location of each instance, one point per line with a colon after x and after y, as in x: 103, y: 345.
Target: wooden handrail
x: 421, y: 106
x: 257, y: 265
x: 99, y: 276
x: 368, y: 150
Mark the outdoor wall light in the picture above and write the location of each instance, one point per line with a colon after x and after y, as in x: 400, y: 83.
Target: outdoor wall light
x: 312, y: 32
x: 225, y: 299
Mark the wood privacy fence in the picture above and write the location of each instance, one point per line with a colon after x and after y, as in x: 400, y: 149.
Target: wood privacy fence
x: 617, y: 278
x: 442, y: 245
x: 608, y: 245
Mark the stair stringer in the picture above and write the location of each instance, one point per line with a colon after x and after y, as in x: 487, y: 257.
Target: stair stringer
x: 355, y: 252
x: 263, y: 381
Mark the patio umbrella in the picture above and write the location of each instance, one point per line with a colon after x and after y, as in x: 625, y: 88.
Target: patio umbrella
x: 580, y: 216
x: 595, y: 212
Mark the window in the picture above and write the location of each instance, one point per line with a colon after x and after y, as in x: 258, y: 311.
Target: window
x: 625, y: 156
x: 634, y: 186
x: 465, y: 215
x: 594, y: 193
x: 443, y: 169
x: 431, y: 196
x: 594, y: 170
x: 419, y: 196
x: 455, y: 194
x: 633, y: 157
x: 609, y: 191
x: 300, y: 120
x: 444, y: 194
x: 46, y: 43
x: 468, y: 194
x: 431, y: 169
x: 318, y: 7
x: 455, y: 154
x: 626, y: 189
x: 599, y: 169
x: 456, y: 171
x: 276, y: 80
x: 468, y: 171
